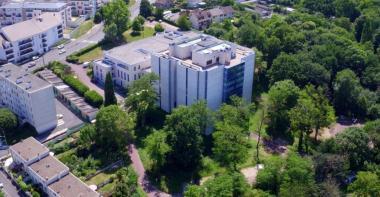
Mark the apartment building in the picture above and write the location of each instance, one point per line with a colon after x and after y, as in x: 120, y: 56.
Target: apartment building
x: 45, y: 170
x: 29, y: 97
x: 203, y: 68
x: 23, y: 40
x: 16, y: 12
x: 202, y: 19
x: 129, y: 62
x: 83, y: 7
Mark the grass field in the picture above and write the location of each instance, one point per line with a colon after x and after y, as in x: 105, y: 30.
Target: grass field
x: 82, y: 29
x: 148, y: 32
x: 94, y: 54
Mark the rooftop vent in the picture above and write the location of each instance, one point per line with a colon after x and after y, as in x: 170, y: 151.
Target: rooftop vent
x: 19, y: 80
x: 28, y: 85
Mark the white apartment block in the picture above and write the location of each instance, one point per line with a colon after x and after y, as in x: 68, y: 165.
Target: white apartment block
x: 83, y: 7
x: 203, y: 68
x: 43, y: 169
x: 23, y: 40
x: 129, y: 62
x: 16, y: 12
x: 29, y: 97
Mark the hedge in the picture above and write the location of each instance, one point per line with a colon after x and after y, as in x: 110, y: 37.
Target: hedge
x: 76, y: 84
x: 74, y: 57
x: 93, y: 98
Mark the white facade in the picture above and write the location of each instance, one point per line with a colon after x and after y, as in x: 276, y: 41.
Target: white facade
x: 28, y: 96
x: 40, y: 35
x: 83, y: 7
x: 16, y: 12
x: 203, y: 68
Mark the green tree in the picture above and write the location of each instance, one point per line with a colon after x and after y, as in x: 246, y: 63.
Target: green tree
x: 114, y: 128
x: 159, y: 13
x: 366, y: 184
x: 136, y: 27
x: 237, y: 112
x: 195, y: 191
x: 269, y: 179
x: 116, y: 17
x: 229, y: 184
x: 87, y: 136
x: 157, y: 148
x: 250, y: 34
x: 347, y: 8
x: 346, y: 91
x: 142, y: 96
x: 146, y: 9
x: 109, y: 92
x: 184, y: 23
x: 185, y: 127
x: 230, y: 145
x: 158, y: 28
x: 126, y: 183
x: 282, y: 96
x: 8, y: 120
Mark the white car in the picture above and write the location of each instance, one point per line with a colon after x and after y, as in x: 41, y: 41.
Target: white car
x: 1, y: 185
x: 60, y: 46
x: 31, y: 64
x: 59, y: 116
x: 62, y: 51
x: 35, y: 58
x: 85, y: 64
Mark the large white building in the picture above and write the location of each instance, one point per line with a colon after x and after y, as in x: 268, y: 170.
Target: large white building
x: 28, y: 96
x: 203, y: 68
x: 23, y: 40
x: 83, y: 7
x: 16, y: 12
x: 47, y: 171
x: 191, y: 67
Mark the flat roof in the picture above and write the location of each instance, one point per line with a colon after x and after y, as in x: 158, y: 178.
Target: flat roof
x: 29, y: 148
x: 138, y: 51
x: 71, y: 186
x: 31, y: 27
x: 20, y: 77
x: 34, y: 5
x: 48, y: 167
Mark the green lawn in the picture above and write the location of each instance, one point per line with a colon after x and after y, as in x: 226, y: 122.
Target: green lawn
x: 82, y: 29
x: 148, y: 32
x: 94, y: 54
x: 101, y: 177
x: 256, y: 117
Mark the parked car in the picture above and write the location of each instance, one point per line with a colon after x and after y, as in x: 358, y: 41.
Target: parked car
x: 31, y: 64
x: 62, y: 51
x: 85, y: 64
x: 1, y: 185
x: 35, y: 57
x: 60, y: 46
x: 59, y: 116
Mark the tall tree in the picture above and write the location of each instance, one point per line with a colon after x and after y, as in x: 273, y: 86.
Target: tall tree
x: 346, y: 91
x: 146, y: 9
x: 116, y: 17
x: 157, y: 148
x: 184, y: 23
x: 142, y: 96
x: 282, y: 96
x: 109, y: 92
x: 126, y: 183
x: 366, y: 184
x: 114, y: 128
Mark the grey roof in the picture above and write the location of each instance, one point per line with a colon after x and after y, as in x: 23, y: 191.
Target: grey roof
x: 31, y: 27
x: 138, y: 51
x: 35, y: 5
x: 29, y: 148
x: 49, y: 167
x: 22, y: 78
x: 71, y: 186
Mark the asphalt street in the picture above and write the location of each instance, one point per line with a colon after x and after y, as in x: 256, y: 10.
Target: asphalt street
x: 9, y: 189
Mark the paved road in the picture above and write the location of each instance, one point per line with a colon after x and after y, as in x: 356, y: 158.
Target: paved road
x: 91, y: 37
x: 9, y: 189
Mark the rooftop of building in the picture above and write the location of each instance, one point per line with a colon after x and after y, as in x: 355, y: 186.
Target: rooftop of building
x: 21, y: 78
x: 49, y: 167
x: 34, y: 5
x: 50, y: 77
x: 71, y: 186
x: 32, y: 27
x: 139, y: 51
x: 29, y: 148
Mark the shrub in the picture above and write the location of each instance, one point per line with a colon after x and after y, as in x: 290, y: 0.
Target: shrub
x: 58, y: 68
x: 158, y: 28
x: 77, y: 85
x: 93, y: 98
x: 72, y: 58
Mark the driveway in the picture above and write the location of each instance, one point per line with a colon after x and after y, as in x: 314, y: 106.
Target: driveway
x: 9, y: 189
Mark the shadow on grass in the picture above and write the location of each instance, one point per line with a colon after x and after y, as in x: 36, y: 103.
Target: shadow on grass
x: 154, y: 121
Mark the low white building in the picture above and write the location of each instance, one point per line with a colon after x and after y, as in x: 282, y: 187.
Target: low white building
x: 203, y: 68
x: 129, y: 62
x: 47, y: 171
x: 29, y: 97
x: 23, y: 40
x: 16, y: 12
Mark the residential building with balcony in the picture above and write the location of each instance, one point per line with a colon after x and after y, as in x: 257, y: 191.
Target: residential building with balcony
x: 16, y: 12
x: 83, y: 7
x: 45, y: 170
x: 202, y: 19
x: 203, y: 68
x: 29, y: 97
x: 23, y: 40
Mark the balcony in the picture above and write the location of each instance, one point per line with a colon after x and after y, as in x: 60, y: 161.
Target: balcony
x: 10, y: 57
x: 27, y: 51
x: 44, y: 40
x: 26, y: 46
x: 7, y: 52
x: 25, y: 42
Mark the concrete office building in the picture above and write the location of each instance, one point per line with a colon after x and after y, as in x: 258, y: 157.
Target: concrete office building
x: 203, y: 68
x: 29, y: 97
x: 16, y: 12
x: 21, y: 41
x: 43, y: 169
x: 130, y: 61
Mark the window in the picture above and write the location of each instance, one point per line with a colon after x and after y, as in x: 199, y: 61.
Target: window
x: 209, y: 62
